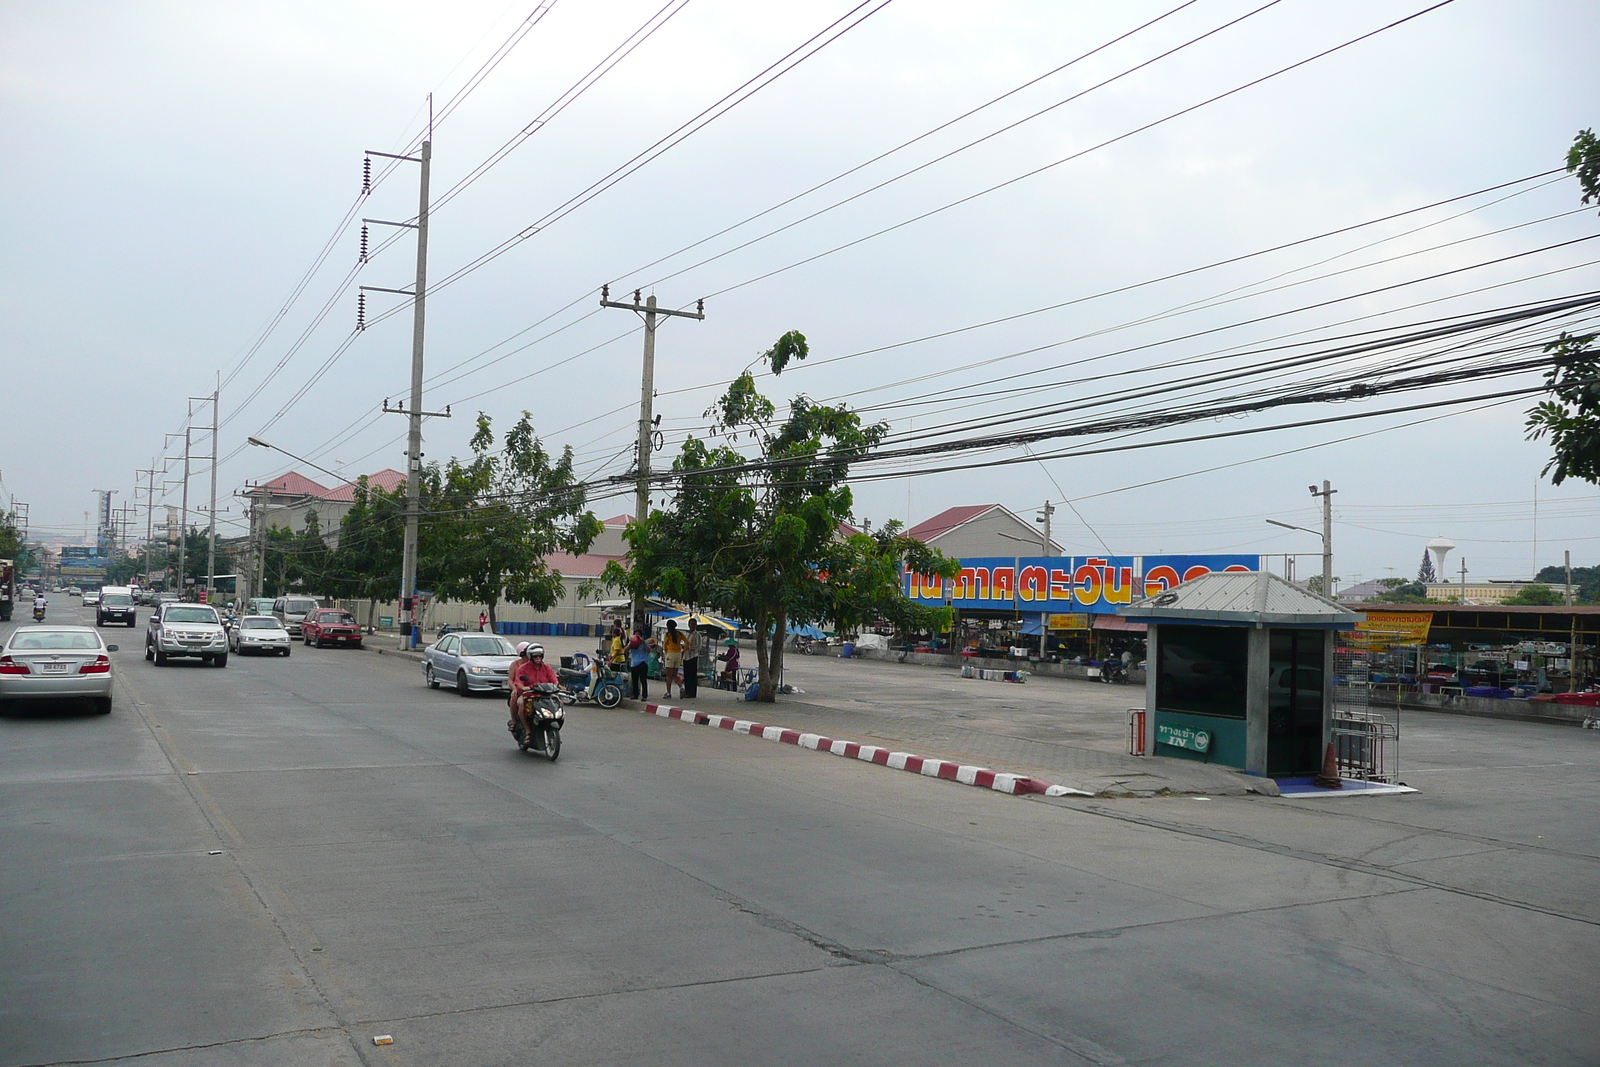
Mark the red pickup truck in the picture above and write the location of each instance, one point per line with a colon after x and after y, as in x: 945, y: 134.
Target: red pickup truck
x: 331, y: 626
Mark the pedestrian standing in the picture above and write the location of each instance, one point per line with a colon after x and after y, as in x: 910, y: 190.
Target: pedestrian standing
x: 691, y: 659
x: 483, y: 621
x: 673, y: 647
x: 619, y: 646
x: 638, y: 667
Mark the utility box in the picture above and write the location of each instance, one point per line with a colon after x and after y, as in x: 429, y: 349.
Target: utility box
x: 1240, y: 672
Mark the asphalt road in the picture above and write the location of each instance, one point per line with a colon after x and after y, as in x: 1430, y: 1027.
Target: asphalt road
x: 274, y: 862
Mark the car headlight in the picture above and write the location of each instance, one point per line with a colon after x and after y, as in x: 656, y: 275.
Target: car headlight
x: 480, y: 670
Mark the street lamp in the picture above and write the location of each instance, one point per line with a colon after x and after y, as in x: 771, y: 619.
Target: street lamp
x: 1327, y: 576
x: 259, y: 443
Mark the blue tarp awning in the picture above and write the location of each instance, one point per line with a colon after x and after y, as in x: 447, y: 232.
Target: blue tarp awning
x: 1031, y: 624
x: 807, y: 630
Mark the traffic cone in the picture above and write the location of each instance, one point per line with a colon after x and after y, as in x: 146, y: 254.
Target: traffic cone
x: 1329, y: 778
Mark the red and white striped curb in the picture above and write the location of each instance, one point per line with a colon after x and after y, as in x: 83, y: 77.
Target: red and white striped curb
x: 966, y: 774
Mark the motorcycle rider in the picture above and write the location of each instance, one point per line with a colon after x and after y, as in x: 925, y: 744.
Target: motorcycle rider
x: 530, y: 671
x: 39, y: 604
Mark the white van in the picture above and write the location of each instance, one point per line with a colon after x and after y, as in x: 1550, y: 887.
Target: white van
x: 291, y: 611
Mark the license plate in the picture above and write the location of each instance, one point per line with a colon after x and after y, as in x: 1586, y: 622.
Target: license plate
x: 54, y: 668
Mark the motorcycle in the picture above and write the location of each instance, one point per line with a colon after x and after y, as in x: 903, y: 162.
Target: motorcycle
x: 804, y: 644
x: 575, y: 687
x: 38, y: 615
x: 548, y: 717
x: 1114, y: 672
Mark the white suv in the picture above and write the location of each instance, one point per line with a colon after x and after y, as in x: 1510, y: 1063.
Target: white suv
x: 186, y: 630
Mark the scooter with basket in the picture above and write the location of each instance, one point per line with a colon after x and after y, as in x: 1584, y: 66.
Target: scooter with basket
x: 591, y: 682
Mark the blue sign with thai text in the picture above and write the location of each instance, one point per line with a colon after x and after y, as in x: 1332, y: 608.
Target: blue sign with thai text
x: 1092, y: 584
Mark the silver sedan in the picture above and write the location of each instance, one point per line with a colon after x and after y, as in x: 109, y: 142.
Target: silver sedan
x: 56, y: 663
x: 470, y: 662
x: 259, y: 633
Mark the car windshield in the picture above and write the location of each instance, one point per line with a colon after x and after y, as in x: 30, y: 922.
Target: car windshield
x: 192, y: 615
x: 42, y: 639
x: 344, y: 618
x: 260, y: 624
x: 486, y: 646
x: 117, y: 600
x: 299, y: 607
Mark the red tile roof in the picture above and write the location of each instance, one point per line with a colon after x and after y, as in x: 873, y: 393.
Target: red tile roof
x: 617, y: 520
x: 387, y: 479
x: 947, y: 520
x: 293, y: 484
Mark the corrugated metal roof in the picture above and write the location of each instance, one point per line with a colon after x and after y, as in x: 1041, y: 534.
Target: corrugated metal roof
x: 1243, y: 597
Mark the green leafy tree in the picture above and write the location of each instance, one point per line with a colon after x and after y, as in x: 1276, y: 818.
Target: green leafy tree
x: 365, y: 564
x: 864, y: 576
x: 1426, y: 573
x: 1534, y: 595
x: 499, y: 515
x: 1572, y: 418
x: 761, y: 541
x: 12, y: 546
x: 1583, y: 159
x: 1587, y: 580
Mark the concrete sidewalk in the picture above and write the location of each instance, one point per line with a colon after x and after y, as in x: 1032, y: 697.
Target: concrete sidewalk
x: 1061, y: 730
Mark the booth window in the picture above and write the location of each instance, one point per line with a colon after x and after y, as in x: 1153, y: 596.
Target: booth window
x: 1201, y: 670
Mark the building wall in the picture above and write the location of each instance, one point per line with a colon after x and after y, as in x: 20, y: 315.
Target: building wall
x: 981, y: 537
x: 1485, y: 592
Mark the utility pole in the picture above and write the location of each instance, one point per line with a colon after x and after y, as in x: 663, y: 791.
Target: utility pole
x: 647, y: 386
x: 1326, y: 494
x: 211, y: 534
x: 1045, y: 512
x: 415, y: 414
x: 1463, y: 579
x: 149, y: 514
x: 183, y: 528
x: 1572, y: 642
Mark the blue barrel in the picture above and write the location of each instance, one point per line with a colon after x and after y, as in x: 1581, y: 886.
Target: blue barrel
x: 847, y: 650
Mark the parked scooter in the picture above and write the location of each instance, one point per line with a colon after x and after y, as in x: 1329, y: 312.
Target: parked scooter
x: 548, y: 717
x: 575, y: 685
x: 1114, y: 672
x: 804, y: 644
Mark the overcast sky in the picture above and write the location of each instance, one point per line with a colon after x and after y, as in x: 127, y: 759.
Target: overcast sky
x: 172, y: 171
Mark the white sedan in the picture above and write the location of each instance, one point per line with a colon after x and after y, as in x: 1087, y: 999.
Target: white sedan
x: 56, y: 663
x: 259, y: 633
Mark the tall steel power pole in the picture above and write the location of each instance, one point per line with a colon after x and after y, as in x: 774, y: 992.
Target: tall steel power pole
x: 415, y: 414
x: 647, y: 386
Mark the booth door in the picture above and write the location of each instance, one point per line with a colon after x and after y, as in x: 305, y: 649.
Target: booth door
x: 1294, y: 702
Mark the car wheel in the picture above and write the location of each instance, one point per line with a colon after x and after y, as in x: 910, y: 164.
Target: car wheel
x: 102, y: 705
x: 131, y: 622
x: 286, y: 652
x: 161, y: 658
x: 149, y: 653
x: 461, y: 683
x: 221, y: 660
x: 427, y: 676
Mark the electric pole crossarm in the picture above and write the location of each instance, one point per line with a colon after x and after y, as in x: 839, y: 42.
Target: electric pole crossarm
x: 385, y: 222
x: 699, y: 313
x: 384, y: 289
x: 391, y: 155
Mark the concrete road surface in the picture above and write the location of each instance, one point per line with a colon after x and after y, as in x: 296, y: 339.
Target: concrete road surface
x: 274, y: 862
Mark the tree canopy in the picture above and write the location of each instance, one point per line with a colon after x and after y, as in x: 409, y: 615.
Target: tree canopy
x: 1535, y: 595
x: 766, y: 539
x: 499, y: 514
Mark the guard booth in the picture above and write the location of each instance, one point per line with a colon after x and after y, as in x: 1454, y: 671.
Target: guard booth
x: 1240, y: 672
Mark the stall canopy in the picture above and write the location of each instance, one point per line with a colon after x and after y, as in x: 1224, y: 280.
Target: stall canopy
x: 699, y: 619
x: 807, y: 630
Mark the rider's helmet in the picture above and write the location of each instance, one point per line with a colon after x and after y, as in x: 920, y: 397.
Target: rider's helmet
x: 522, y: 646
x: 533, y: 650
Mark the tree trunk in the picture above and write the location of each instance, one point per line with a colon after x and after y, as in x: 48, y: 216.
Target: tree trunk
x: 762, y: 670
x: 769, y: 685
x: 494, y: 627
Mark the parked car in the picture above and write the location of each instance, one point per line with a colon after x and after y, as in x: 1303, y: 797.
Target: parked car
x: 186, y: 630
x: 259, y: 633
x: 116, y: 605
x: 292, y: 610
x: 56, y: 663
x: 471, y: 662
x: 331, y: 626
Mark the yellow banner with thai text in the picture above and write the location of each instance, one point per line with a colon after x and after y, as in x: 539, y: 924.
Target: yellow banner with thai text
x: 1078, y: 621
x: 1398, y: 627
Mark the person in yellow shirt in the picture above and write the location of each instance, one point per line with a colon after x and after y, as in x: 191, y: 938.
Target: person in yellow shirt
x: 672, y: 649
x: 619, y: 647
